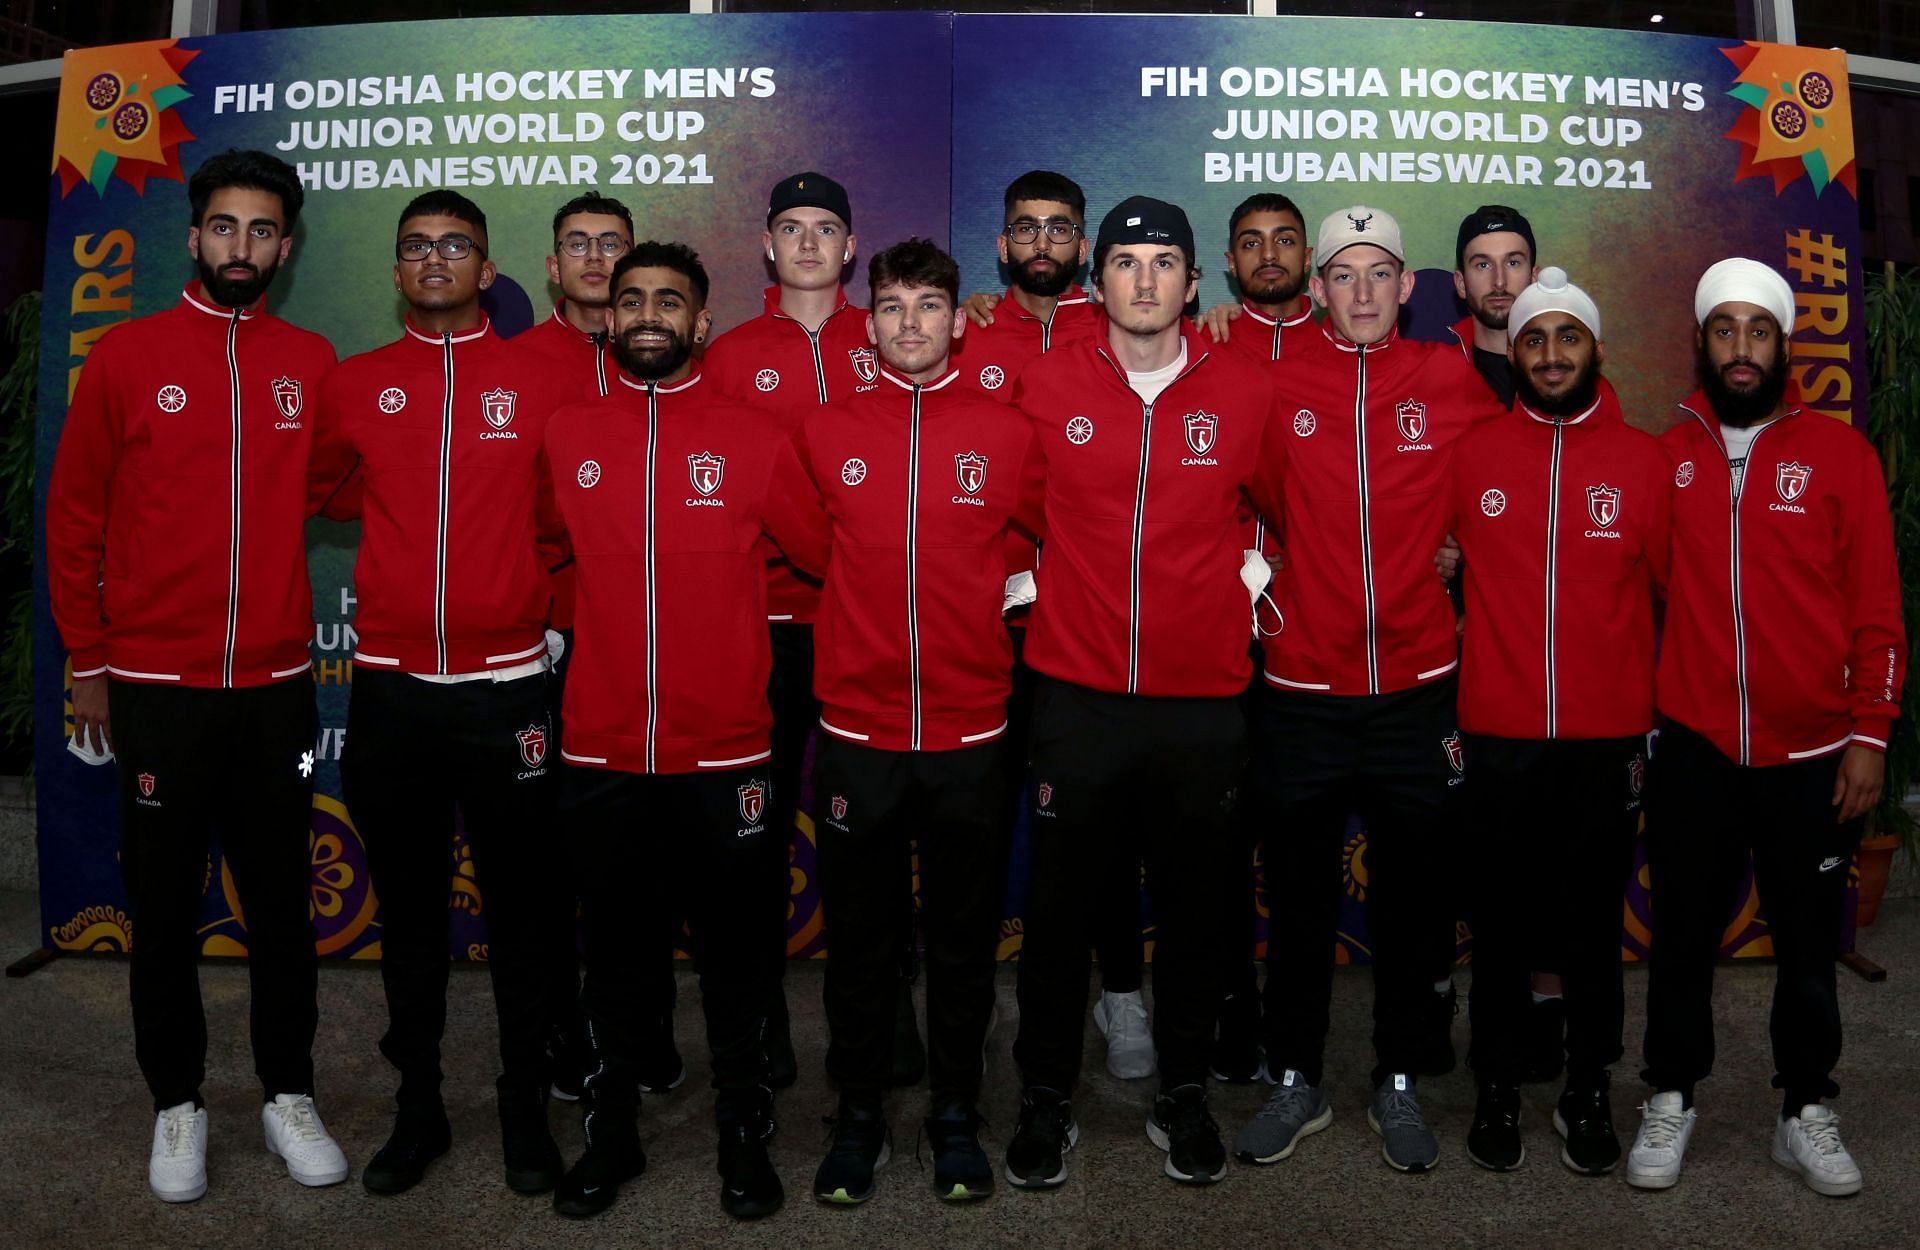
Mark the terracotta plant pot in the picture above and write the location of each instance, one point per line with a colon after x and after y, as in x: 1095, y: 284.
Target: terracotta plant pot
x: 1875, y: 860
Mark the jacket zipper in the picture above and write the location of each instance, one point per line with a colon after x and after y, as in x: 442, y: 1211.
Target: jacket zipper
x: 1739, y: 613
x: 599, y: 339
x: 1278, y: 325
x: 1366, y: 524
x: 446, y: 487
x: 1553, y: 553
x: 1139, y: 527
x: 653, y: 631
x: 913, y: 593
x: 233, y: 473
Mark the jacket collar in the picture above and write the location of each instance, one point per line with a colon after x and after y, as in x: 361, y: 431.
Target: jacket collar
x: 686, y: 383
x: 465, y: 336
x: 560, y: 318
x: 770, y: 299
x: 1356, y: 349
x: 924, y: 387
x: 1698, y: 406
x: 1286, y: 323
x: 1599, y: 403
x: 1074, y: 295
x: 1198, y: 349
x: 193, y: 296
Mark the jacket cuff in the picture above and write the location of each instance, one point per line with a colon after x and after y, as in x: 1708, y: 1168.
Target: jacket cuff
x: 90, y: 662
x: 1874, y: 732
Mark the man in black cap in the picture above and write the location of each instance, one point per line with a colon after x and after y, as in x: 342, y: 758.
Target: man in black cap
x: 1494, y: 259
x: 1139, y: 637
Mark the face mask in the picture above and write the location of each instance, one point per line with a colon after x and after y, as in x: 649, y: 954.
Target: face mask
x: 1256, y: 575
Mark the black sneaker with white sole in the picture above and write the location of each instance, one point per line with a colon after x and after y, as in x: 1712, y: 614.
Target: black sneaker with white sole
x: 1037, y: 1155
x: 1584, y: 1120
x: 1180, y: 1125
x: 1494, y: 1140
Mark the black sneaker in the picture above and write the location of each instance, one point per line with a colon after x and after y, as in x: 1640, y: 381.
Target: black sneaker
x: 782, y: 1068
x: 1036, y: 1157
x: 860, y: 1148
x: 420, y: 1135
x: 909, y: 1052
x: 1181, y: 1126
x: 1436, y: 1048
x: 1584, y: 1120
x: 1546, y: 1039
x: 961, y: 1170
x: 1494, y: 1140
x: 613, y: 1158
x: 659, y: 1066
x: 533, y: 1164
x: 749, y: 1186
x: 1236, y: 1056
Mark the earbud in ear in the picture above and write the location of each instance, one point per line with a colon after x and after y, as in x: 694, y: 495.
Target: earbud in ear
x: 845, y: 257
x: 769, y: 253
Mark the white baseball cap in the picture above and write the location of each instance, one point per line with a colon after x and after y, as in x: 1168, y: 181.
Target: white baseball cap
x: 1552, y: 292
x: 1347, y: 226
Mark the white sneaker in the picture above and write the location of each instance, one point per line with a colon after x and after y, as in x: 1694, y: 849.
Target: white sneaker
x: 1123, y: 1019
x: 178, y: 1169
x: 294, y: 1132
x: 1661, y: 1145
x: 1809, y: 1143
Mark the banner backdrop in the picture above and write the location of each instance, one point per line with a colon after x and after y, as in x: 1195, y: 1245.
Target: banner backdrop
x: 1639, y: 158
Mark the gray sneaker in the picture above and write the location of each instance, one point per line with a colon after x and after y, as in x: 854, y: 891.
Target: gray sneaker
x: 1406, y: 1143
x: 1294, y: 1110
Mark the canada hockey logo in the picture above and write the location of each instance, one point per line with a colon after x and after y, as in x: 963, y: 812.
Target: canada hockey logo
x: 1079, y: 431
x: 1603, y: 504
x: 1636, y: 774
x: 588, y: 475
x: 1456, y: 755
x: 1044, y: 793
x: 286, y: 396
x: 706, y: 470
x: 765, y: 380
x: 753, y: 800
x: 1790, y: 480
x: 992, y: 378
x: 839, y: 807
x: 1412, y: 416
x: 1201, y: 430
x: 1493, y: 502
x: 1304, y: 422
x: 146, y: 784
x: 1683, y: 474
x: 533, y: 745
x: 866, y: 366
x: 971, y: 468
x: 854, y: 471
x: 496, y: 406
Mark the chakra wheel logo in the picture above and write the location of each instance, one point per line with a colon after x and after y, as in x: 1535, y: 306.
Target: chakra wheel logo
x: 1798, y: 121
x: 118, y: 117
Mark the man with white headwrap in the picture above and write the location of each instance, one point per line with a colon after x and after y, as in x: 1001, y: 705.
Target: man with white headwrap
x: 1561, y: 510
x: 1780, y: 675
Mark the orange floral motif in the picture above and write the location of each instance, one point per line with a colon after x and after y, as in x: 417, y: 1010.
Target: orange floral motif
x: 117, y: 117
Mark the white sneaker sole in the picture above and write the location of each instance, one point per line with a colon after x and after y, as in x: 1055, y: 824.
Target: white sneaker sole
x: 1414, y: 1166
x: 1046, y: 1182
x: 1560, y: 1127
x: 1306, y: 1130
x: 306, y: 1175
x: 187, y: 1193
x: 1814, y: 1181
x: 1641, y: 1179
x: 1158, y: 1136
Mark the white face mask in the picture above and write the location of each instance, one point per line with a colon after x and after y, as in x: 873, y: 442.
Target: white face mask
x: 1256, y: 575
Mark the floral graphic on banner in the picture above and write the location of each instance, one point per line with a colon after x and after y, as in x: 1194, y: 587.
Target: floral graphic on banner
x: 1799, y: 119
x: 117, y: 116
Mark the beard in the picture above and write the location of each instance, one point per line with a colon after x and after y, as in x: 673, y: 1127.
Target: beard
x: 1576, y: 399
x: 652, y: 364
x: 1493, y: 318
x: 1741, y: 408
x: 1281, y: 292
x: 231, y: 293
x: 1051, y: 283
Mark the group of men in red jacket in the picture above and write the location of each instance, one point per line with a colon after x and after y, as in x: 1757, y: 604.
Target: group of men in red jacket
x: 822, y: 524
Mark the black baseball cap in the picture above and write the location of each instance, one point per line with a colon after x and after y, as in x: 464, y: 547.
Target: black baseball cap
x: 1492, y: 219
x: 809, y: 190
x: 1143, y: 219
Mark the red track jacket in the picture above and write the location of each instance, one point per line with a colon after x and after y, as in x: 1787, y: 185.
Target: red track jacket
x: 665, y: 492
x: 920, y: 484
x: 443, y: 433
x: 989, y: 358
x: 1361, y: 461
x: 1783, y: 638
x: 1140, y: 590
x: 176, y: 549
x: 775, y: 364
x: 1564, y: 528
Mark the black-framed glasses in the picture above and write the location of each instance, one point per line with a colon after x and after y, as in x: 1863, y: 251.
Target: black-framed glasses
x: 580, y: 243
x: 1059, y: 230
x: 450, y: 247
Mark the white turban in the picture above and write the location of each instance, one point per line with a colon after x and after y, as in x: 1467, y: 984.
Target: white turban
x: 1552, y: 293
x: 1741, y: 281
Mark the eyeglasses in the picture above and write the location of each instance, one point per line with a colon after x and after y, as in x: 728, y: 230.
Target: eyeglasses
x: 1058, y: 230
x: 452, y: 247
x: 610, y: 245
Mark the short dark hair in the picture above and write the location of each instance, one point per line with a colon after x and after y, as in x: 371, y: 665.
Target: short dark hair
x: 1100, y: 260
x: 653, y: 254
x: 916, y: 262
x: 444, y: 203
x: 1044, y: 184
x: 1263, y: 202
x: 596, y: 203
x: 253, y: 170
